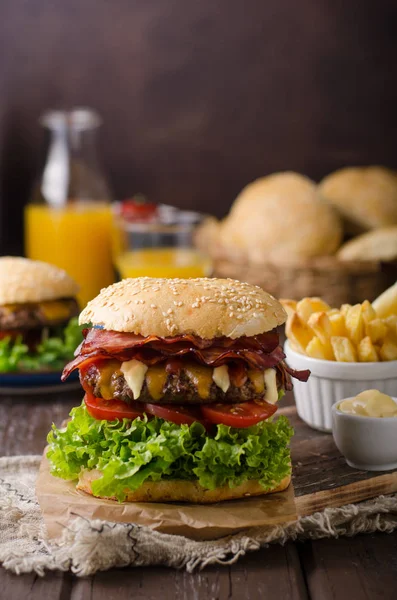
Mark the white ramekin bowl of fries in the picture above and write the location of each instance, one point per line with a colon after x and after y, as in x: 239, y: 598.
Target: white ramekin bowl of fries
x: 347, y: 349
x: 331, y: 381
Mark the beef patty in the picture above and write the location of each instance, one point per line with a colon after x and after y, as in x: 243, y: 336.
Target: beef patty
x: 177, y: 389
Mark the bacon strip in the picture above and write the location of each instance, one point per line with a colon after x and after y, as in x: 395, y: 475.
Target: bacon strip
x: 300, y: 375
x: 115, y: 342
x: 212, y: 357
x: 258, y: 352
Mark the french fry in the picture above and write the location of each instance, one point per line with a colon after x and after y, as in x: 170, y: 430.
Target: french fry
x: 363, y: 332
x: 337, y: 321
x: 366, y: 351
x: 295, y: 347
x: 298, y: 332
x: 289, y: 306
x: 386, y: 304
x: 319, y: 322
x: 315, y: 349
x: 355, y: 324
x: 308, y: 306
x: 391, y: 324
x: 368, y: 311
x: 376, y: 330
x: 344, y: 308
x: 343, y: 348
x: 388, y: 350
x: 391, y: 321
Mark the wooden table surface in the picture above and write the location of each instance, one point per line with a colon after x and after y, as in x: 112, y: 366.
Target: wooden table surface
x: 364, y: 567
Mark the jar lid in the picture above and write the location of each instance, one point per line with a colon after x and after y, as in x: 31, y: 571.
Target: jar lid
x: 138, y: 210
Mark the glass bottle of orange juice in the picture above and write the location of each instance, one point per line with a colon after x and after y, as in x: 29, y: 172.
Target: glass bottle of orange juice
x: 68, y: 221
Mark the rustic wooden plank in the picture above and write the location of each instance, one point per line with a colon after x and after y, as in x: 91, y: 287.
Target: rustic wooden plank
x: 321, y: 476
x: 54, y: 586
x: 272, y: 572
x: 364, y: 567
x: 347, y: 494
x: 82, y: 588
x: 317, y: 463
x: 25, y: 422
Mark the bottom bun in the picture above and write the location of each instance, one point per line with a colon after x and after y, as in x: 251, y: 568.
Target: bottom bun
x: 173, y: 490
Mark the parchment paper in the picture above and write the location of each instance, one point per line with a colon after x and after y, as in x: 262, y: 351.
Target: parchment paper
x: 60, y: 501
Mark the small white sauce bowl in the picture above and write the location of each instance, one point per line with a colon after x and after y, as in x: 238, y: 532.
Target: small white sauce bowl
x: 331, y: 381
x: 367, y: 443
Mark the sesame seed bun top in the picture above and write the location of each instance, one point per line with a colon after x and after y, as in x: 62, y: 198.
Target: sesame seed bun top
x: 23, y: 280
x: 204, y: 307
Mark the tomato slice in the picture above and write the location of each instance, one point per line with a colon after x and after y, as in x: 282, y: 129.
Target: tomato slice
x: 110, y: 410
x: 244, y: 414
x: 181, y: 415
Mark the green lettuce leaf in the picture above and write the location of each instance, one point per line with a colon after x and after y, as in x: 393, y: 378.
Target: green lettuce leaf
x: 11, y: 354
x: 51, y: 354
x: 131, y: 452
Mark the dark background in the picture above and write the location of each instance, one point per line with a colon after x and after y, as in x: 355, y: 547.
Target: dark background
x: 198, y: 96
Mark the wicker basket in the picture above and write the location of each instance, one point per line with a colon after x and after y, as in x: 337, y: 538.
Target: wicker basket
x: 338, y: 282
x: 329, y: 278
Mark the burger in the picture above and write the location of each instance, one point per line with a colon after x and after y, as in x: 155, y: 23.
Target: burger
x: 181, y: 381
x: 38, y: 309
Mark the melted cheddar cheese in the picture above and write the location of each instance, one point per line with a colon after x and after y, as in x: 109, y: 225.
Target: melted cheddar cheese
x: 257, y: 379
x: 52, y: 310
x: 56, y: 310
x: 107, y: 373
x: 156, y: 378
x: 201, y: 377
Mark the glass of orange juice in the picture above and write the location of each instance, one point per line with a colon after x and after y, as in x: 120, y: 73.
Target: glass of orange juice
x: 68, y: 221
x: 157, y: 241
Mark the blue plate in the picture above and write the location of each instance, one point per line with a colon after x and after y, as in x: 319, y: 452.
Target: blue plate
x: 35, y: 383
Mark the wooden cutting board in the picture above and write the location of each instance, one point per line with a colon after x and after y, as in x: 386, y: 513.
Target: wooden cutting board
x: 321, y: 476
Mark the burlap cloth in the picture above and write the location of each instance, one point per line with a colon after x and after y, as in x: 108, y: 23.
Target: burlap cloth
x: 90, y: 546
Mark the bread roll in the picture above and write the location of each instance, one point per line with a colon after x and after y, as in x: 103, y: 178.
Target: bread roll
x: 366, y: 197
x: 184, y: 491
x: 204, y: 307
x: 281, y: 219
x: 379, y: 245
x: 23, y: 281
